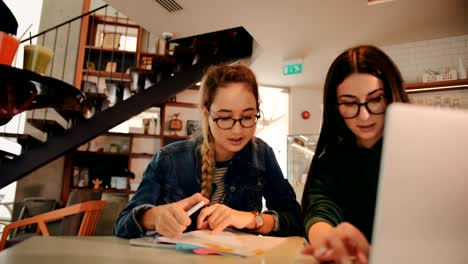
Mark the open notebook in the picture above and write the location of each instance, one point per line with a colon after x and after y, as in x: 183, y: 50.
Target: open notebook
x: 226, y: 242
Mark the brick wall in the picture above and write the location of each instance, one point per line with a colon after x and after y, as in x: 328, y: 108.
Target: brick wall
x: 414, y: 58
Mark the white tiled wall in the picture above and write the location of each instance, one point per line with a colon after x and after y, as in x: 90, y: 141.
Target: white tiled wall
x: 414, y: 58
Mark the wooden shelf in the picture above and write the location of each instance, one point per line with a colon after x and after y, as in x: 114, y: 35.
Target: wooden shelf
x: 113, y: 20
x: 176, y: 137
x: 144, y: 71
x: 180, y: 104
x: 103, y: 153
x: 141, y: 155
x: 436, y: 86
x: 105, y: 74
x: 145, y: 135
x: 117, y: 134
x: 148, y: 54
x: 133, y: 135
x: 126, y: 191
x: 135, y: 60
x: 99, y: 49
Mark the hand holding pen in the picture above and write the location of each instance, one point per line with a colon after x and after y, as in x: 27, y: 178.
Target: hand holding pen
x: 171, y: 220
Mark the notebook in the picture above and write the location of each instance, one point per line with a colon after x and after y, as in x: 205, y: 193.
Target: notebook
x: 226, y: 242
x: 422, y: 201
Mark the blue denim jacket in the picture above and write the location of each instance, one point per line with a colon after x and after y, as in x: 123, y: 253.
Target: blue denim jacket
x: 174, y: 173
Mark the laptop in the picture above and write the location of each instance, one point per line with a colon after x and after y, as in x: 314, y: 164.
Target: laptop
x: 422, y: 202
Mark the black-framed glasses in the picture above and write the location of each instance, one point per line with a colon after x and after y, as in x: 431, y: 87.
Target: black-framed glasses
x: 226, y: 123
x: 374, y: 106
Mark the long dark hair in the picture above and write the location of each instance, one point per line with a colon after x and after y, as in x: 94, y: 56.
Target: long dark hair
x: 359, y: 59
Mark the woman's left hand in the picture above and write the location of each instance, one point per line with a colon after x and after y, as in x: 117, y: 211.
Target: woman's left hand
x: 219, y: 216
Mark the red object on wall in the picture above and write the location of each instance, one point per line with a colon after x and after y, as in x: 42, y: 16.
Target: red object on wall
x: 305, y: 114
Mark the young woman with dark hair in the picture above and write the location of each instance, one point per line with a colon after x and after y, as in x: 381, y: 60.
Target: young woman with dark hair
x: 340, y: 192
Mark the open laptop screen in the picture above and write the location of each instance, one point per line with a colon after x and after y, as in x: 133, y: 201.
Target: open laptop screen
x: 422, y: 201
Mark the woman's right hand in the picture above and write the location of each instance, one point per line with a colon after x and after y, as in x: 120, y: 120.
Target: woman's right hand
x: 340, y: 244
x: 171, y: 220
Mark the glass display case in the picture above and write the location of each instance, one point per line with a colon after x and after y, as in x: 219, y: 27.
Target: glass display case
x: 301, y: 149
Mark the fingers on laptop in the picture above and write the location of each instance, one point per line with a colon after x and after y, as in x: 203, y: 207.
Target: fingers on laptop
x: 329, y: 248
x: 338, y: 242
x: 356, y: 239
x: 343, y: 244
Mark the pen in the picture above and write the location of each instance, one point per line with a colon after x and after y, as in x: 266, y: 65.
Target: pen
x: 195, y: 208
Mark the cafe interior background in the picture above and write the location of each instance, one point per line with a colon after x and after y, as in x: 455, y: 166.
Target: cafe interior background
x: 422, y: 37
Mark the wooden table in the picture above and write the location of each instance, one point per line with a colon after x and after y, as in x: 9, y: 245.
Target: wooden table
x: 112, y: 250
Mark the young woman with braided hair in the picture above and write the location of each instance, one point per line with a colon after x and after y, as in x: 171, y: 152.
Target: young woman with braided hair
x: 225, y: 166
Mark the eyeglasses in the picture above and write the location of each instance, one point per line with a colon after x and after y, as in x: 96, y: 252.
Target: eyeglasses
x: 374, y: 106
x: 226, y: 123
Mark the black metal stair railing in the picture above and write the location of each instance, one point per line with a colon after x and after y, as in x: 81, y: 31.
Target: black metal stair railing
x: 168, y: 79
x: 40, y: 94
x: 14, y: 169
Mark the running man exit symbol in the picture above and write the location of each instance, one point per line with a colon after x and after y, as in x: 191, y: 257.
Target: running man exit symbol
x: 289, y: 69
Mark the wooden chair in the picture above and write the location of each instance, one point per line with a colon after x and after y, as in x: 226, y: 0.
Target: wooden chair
x: 91, y: 210
x: 32, y: 206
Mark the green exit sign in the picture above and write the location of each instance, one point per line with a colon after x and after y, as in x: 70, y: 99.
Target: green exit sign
x: 295, y: 68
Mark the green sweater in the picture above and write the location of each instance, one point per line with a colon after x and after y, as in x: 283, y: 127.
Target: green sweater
x: 344, y: 187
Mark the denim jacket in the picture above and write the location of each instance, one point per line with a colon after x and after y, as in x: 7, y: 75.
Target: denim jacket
x: 174, y: 173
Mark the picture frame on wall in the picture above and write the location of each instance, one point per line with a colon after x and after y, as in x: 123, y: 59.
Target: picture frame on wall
x: 111, y: 66
x: 84, y: 177
x: 76, y: 176
x: 111, y: 40
x: 193, y: 126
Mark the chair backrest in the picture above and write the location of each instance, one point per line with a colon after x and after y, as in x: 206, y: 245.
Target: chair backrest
x: 70, y: 225
x: 31, y: 207
x: 35, y: 206
x: 115, y: 203
x: 91, y: 211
